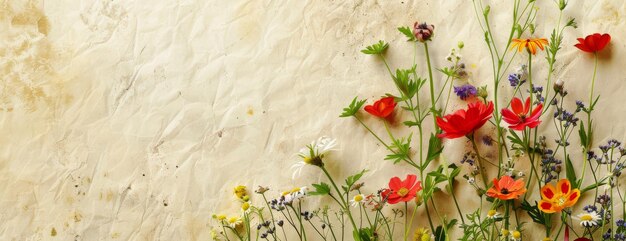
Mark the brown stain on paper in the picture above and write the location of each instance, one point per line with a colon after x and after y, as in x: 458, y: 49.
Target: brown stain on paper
x: 28, y: 66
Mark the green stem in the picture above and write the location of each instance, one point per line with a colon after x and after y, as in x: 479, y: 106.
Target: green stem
x: 589, y: 132
x: 345, y: 205
x: 479, y: 160
x: 432, y: 87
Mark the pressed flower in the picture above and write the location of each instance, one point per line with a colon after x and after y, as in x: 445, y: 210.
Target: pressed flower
x: 240, y: 191
x: 519, y: 77
x: 465, y: 91
x: 220, y: 217
x: 381, y: 108
x: 520, y: 116
x: 516, y: 235
x: 464, y: 122
x: 422, y: 234
x: 593, y: 43
x: 555, y: 199
x: 506, y: 188
x: 493, y: 214
x: 312, y: 154
x: 423, y: 31
x: 530, y: 44
x: 357, y: 200
x: 589, y: 219
x: 402, y: 190
x: 234, y: 222
x: 245, y: 206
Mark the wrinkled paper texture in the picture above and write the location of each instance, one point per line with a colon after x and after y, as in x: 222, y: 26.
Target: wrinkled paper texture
x: 133, y: 120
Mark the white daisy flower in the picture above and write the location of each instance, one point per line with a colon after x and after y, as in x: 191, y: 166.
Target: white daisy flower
x: 288, y: 197
x: 312, y: 154
x: 493, y: 214
x: 357, y: 200
x: 234, y: 222
x: 588, y: 219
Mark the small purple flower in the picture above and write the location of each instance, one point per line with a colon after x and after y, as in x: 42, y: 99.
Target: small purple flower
x: 465, y: 91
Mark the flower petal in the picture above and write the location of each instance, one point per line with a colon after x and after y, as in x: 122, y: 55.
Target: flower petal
x: 548, y: 192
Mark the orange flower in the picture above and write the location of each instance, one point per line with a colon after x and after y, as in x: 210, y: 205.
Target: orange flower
x: 530, y: 44
x: 556, y: 199
x: 506, y: 188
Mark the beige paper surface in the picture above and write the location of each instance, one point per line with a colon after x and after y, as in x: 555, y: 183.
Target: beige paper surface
x: 133, y: 120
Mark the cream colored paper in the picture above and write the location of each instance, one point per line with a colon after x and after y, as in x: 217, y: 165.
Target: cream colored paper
x: 133, y: 120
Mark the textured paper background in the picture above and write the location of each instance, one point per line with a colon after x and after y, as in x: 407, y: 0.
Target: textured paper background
x: 133, y: 120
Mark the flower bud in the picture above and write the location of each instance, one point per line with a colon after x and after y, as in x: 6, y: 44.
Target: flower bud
x: 482, y: 92
x: 558, y: 86
x: 487, y: 10
x: 461, y: 44
x: 423, y: 31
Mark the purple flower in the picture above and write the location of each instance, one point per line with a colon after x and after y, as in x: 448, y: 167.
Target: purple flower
x: 465, y: 91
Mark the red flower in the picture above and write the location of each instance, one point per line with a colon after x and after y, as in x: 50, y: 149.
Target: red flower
x: 381, y: 108
x: 464, y: 122
x: 506, y: 188
x: 519, y: 116
x: 593, y: 43
x: 402, y: 190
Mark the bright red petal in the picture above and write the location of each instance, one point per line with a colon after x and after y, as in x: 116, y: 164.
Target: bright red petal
x: 516, y: 106
x: 604, y: 40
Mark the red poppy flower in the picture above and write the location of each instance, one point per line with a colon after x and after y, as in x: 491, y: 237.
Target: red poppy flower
x: 593, y: 43
x: 402, y: 190
x: 519, y: 116
x: 381, y: 108
x: 506, y: 188
x: 464, y: 122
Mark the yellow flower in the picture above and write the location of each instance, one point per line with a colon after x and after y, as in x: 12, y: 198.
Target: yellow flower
x: 241, y: 192
x: 234, y: 222
x: 219, y: 217
x: 530, y: 44
x: 516, y: 235
x: 547, y: 239
x: 504, y: 232
x: 421, y: 234
x: 245, y: 206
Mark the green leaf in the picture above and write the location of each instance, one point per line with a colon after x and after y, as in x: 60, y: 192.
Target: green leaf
x: 320, y: 189
x: 410, y: 123
x: 571, y: 22
x: 353, y: 108
x: 407, y: 32
x: 434, y: 149
x: 515, y: 139
x: 440, y: 235
x: 593, y: 186
x: 570, y: 173
x: 583, y: 135
x: 533, y: 211
x: 377, y: 48
x: 351, y: 180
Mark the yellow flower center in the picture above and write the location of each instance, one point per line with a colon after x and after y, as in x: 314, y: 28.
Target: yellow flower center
x: 358, y: 198
x: 516, y: 234
x: 403, y: 192
x: 245, y: 206
x: 491, y: 213
x: 233, y: 220
x: 586, y: 217
x: 308, y: 160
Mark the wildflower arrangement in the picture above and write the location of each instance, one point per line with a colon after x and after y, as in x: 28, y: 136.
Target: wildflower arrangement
x: 531, y: 177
